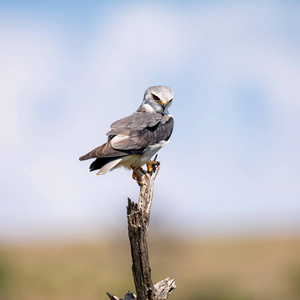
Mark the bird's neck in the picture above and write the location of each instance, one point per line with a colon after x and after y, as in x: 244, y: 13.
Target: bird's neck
x: 146, y: 108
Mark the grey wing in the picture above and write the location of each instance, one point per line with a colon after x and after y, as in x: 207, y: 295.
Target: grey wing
x: 125, y: 135
x: 105, y: 151
x: 136, y: 121
x: 139, y: 137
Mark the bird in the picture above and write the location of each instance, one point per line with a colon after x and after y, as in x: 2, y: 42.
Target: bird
x: 132, y: 141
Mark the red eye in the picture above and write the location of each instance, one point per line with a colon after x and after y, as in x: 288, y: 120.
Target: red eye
x: 155, y: 97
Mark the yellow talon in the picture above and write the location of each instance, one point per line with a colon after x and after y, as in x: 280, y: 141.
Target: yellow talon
x: 151, y: 166
x: 134, y: 175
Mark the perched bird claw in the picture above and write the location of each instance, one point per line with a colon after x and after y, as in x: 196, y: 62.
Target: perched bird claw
x: 152, y: 166
x: 135, y: 176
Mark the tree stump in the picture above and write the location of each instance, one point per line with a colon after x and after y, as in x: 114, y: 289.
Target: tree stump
x: 138, y: 217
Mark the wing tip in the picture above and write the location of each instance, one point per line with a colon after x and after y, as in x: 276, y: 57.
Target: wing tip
x: 85, y: 157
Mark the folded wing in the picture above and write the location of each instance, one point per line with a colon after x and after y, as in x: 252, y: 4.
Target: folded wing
x: 131, y: 135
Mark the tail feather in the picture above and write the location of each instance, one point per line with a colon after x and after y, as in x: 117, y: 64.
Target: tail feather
x: 108, y: 166
x: 106, y: 157
x: 101, y: 162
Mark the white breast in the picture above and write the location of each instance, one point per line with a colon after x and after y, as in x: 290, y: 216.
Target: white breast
x: 134, y: 161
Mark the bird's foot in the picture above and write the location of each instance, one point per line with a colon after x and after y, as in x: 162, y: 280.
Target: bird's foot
x: 135, y: 176
x: 152, y: 166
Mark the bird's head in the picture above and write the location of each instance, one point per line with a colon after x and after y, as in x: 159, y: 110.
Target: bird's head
x: 159, y: 98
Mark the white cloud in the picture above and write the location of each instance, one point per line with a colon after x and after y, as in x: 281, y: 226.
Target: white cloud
x: 29, y: 66
x: 201, y: 51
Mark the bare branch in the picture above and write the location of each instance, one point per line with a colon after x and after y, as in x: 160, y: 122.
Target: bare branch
x: 138, y: 216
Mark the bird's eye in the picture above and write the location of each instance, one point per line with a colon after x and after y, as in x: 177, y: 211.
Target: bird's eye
x: 155, y: 97
x: 171, y: 100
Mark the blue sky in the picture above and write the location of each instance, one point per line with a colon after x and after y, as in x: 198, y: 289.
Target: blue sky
x: 69, y: 70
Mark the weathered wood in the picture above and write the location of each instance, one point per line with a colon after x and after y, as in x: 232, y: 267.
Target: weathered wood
x: 138, y: 231
x: 128, y: 296
x: 163, y: 288
x: 138, y: 217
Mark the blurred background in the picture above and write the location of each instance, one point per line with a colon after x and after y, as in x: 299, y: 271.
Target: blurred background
x: 225, y: 217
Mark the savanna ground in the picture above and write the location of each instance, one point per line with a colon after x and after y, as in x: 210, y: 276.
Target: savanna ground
x: 204, y: 270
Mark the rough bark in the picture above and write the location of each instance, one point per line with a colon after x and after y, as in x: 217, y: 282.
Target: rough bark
x: 138, y: 216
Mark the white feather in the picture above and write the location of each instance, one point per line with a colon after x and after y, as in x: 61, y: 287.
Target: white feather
x: 134, y: 161
x: 108, y: 166
x: 148, y: 108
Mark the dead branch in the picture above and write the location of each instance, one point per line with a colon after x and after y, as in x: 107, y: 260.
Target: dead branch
x: 138, y: 217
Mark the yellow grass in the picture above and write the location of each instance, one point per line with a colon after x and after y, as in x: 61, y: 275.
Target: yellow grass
x: 204, y: 270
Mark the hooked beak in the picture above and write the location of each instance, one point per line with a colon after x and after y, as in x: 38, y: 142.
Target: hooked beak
x: 163, y: 104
